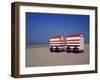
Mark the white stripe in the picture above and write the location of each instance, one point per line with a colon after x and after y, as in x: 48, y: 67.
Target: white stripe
x: 61, y: 47
x: 56, y: 39
x: 71, y: 38
x: 73, y: 44
x: 72, y: 41
x: 57, y: 42
x: 58, y: 47
x: 73, y: 47
x: 53, y: 47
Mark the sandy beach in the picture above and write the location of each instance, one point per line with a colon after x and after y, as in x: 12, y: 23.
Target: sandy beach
x: 39, y: 55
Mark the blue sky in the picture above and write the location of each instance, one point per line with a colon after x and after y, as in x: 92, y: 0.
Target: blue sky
x: 40, y: 26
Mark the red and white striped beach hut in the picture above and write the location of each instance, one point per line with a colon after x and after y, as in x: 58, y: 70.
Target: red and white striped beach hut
x: 75, y: 41
x: 57, y: 43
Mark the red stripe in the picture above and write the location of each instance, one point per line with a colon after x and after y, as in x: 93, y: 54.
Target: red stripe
x: 74, y: 35
x: 72, y: 42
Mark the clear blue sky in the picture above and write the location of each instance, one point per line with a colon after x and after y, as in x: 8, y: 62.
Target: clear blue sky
x: 40, y: 26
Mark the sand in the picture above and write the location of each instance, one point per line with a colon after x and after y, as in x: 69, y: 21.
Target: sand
x: 40, y: 55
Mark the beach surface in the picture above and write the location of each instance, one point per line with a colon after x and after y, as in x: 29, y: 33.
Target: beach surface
x: 40, y: 55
